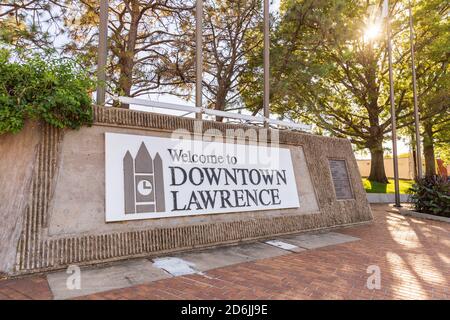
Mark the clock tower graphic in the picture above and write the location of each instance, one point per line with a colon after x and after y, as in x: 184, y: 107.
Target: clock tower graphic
x: 143, y: 182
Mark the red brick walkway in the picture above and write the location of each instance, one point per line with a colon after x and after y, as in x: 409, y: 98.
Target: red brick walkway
x: 413, y: 256
x: 25, y: 289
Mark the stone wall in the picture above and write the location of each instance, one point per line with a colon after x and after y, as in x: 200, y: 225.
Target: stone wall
x: 55, y: 216
x: 17, y: 155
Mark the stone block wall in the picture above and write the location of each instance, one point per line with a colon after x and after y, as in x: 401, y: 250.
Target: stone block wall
x: 52, y: 196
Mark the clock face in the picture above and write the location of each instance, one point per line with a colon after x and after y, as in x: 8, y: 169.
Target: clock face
x: 144, y: 187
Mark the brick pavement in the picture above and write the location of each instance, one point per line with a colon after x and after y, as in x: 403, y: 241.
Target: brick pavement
x: 413, y: 256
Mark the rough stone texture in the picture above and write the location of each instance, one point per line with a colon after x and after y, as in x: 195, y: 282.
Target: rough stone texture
x: 17, y: 153
x: 83, y: 151
x: 55, y: 236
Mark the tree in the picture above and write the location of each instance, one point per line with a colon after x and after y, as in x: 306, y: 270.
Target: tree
x: 152, y: 44
x: 434, y: 79
x: 146, y: 46
x: 436, y: 134
x: 329, y: 67
x: 29, y: 24
x: 229, y: 32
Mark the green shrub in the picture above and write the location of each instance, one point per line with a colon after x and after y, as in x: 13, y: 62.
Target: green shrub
x: 54, y: 91
x: 432, y: 195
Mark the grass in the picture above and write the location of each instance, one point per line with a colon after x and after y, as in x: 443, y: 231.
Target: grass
x: 376, y: 187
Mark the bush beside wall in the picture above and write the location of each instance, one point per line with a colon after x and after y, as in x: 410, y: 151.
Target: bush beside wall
x: 51, y: 90
x: 432, y: 195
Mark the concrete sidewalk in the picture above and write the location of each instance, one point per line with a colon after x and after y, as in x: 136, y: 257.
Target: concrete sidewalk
x: 412, y: 255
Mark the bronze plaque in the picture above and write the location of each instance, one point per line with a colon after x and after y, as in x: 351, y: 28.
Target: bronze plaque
x: 341, y: 180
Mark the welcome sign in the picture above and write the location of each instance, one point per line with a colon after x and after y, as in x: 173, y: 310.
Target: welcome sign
x: 151, y: 177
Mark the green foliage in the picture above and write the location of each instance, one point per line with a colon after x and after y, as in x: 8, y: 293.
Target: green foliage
x: 432, y: 195
x: 328, y: 69
x: 443, y: 152
x: 378, y: 187
x: 54, y: 91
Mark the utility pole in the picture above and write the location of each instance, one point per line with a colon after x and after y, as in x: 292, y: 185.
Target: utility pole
x: 416, y: 104
x: 198, y: 56
x: 266, y: 63
x: 393, y: 117
x: 102, y: 53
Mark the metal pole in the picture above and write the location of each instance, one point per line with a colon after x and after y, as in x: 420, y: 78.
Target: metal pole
x: 393, y: 117
x: 266, y: 62
x: 102, y: 52
x: 416, y: 104
x: 198, y: 56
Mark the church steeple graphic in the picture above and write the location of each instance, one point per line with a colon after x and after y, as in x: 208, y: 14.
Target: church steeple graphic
x: 143, y: 182
x: 143, y: 162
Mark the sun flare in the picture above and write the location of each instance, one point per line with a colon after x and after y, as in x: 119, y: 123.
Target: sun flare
x: 372, y: 31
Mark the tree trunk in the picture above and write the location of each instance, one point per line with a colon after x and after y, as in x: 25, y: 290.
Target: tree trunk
x: 221, y: 97
x: 126, y: 60
x: 375, y: 142
x: 377, y: 172
x: 414, y: 154
x: 428, y: 150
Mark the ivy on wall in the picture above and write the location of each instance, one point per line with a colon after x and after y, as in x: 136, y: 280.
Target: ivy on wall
x: 54, y: 91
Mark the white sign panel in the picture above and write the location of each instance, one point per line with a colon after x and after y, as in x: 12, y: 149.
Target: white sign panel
x: 151, y: 177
